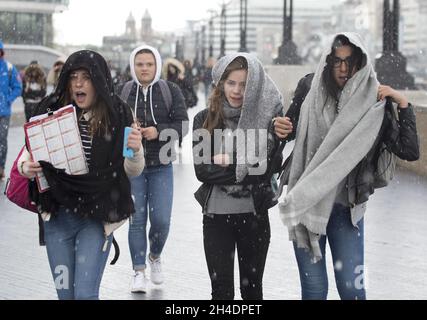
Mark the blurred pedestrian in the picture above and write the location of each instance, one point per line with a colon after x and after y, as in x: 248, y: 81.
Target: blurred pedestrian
x: 34, y: 87
x: 207, y: 77
x: 53, y: 75
x: 10, y: 89
x: 175, y: 71
x: 191, y: 71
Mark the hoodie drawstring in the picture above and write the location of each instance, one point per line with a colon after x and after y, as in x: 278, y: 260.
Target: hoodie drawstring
x: 151, y: 105
x: 151, y: 102
x: 136, y: 102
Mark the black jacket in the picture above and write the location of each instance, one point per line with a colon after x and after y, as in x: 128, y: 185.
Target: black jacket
x: 104, y: 193
x: 173, y: 119
x: 211, y: 174
x: 400, y: 137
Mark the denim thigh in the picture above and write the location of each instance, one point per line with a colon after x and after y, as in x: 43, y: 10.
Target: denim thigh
x: 153, y: 196
x: 313, y: 276
x: 347, y: 249
x: 75, y: 252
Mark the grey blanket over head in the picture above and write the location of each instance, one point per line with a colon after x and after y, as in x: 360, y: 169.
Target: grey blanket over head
x: 261, y: 103
x: 327, y: 148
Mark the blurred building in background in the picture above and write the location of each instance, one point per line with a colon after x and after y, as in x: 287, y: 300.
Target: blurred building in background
x: 25, y: 22
x: 264, y: 27
x: 26, y: 28
x: 29, y: 22
x: 116, y: 49
x: 314, y: 23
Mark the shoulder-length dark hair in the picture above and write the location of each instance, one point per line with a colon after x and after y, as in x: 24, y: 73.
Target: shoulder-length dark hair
x: 357, y: 60
x: 215, y: 118
x: 99, y: 123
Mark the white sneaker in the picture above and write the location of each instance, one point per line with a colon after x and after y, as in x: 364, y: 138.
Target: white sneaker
x: 156, y: 274
x: 139, y: 282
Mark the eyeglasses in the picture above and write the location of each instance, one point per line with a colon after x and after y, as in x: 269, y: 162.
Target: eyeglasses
x: 337, y: 61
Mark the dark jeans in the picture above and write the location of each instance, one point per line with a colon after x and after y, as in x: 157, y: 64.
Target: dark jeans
x: 346, y: 243
x: 251, y: 235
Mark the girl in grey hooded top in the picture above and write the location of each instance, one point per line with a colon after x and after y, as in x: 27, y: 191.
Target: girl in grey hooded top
x: 342, y: 122
x: 233, y: 161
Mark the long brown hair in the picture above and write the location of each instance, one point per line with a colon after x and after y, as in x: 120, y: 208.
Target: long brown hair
x: 215, y: 118
x: 99, y: 122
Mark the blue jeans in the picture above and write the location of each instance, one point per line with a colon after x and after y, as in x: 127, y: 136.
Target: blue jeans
x: 74, y: 248
x: 152, y: 189
x: 346, y: 244
x: 4, y: 129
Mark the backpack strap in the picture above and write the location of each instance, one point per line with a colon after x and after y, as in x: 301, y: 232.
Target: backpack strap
x: 116, y: 251
x: 166, y: 94
x: 276, y: 160
x: 164, y: 88
x: 41, y: 230
x: 126, y: 90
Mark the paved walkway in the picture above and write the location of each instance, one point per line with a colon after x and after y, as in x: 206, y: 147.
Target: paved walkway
x: 395, y: 246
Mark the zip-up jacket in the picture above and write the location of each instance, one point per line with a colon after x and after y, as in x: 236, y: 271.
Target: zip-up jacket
x: 10, y: 87
x: 165, y: 119
x: 211, y: 174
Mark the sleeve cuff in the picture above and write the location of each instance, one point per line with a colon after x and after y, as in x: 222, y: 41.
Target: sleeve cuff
x: 409, y: 107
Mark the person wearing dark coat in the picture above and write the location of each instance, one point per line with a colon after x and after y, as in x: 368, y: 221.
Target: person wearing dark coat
x: 236, y: 190
x: 34, y: 88
x: 161, y: 126
x: 207, y: 77
x: 10, y: 89
x: 80, y: 212
x: 190, y: 85
x: 341, y: 119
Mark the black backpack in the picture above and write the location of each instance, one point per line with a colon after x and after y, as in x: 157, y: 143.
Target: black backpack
x: 164, y: 87
x: 385, y: 160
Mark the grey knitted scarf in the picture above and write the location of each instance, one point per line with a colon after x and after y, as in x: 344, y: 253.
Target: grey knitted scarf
x: 231, y: 115
x: 231, y: 119
x: 327, y: 149
x: 261, y: 103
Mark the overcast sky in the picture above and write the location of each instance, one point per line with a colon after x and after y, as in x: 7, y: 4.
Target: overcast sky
x: 86, y: 22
